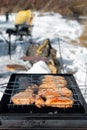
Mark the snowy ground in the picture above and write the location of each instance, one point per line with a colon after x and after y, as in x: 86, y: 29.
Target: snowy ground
x: 60, y: 31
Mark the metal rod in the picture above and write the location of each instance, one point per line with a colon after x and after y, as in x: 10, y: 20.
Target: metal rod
x: 61, y: 55
x: 9, y: 46
x: 4, y: 37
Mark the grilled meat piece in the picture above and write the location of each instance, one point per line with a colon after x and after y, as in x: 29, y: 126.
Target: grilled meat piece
x: 60, y: 84
x: 55, y: 93
x: 65, y: 92
x: 23, y: 98
x: 60, y: 102
x: 39, y: 102
x: 52, y: 87
x: 51, y: 77
x: 26, y: 97
x: 48, y: 93
x: 57, y: 80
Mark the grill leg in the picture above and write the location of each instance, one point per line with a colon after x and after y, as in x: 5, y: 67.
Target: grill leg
x: 31, y: 39
x: 9, y: 46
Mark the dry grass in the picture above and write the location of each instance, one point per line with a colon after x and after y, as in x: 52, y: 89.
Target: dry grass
x: 66, y: 7
x: 83, y: 38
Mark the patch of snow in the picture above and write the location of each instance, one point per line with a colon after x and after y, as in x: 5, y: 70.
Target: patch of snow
x: 40, y: 68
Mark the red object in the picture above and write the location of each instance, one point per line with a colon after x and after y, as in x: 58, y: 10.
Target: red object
x: 34, y: 58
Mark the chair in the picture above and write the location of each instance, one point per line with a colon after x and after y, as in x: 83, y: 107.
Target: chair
x: 23, y: 26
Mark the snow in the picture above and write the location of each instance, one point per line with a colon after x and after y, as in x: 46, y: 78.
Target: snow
x: 41, y: 68
x: 61, y: 32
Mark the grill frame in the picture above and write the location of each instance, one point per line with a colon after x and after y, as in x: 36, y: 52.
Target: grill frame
x: 6, y: 98
x: 60, y: 121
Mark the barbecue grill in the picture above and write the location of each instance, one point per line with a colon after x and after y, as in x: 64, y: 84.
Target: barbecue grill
x: 32, y: 117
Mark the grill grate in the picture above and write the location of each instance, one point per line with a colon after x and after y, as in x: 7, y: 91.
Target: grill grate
x: 19, y: 82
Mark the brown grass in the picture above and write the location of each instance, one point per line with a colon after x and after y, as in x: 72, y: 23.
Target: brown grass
x: 66, y: 7
x: 83, y: 37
